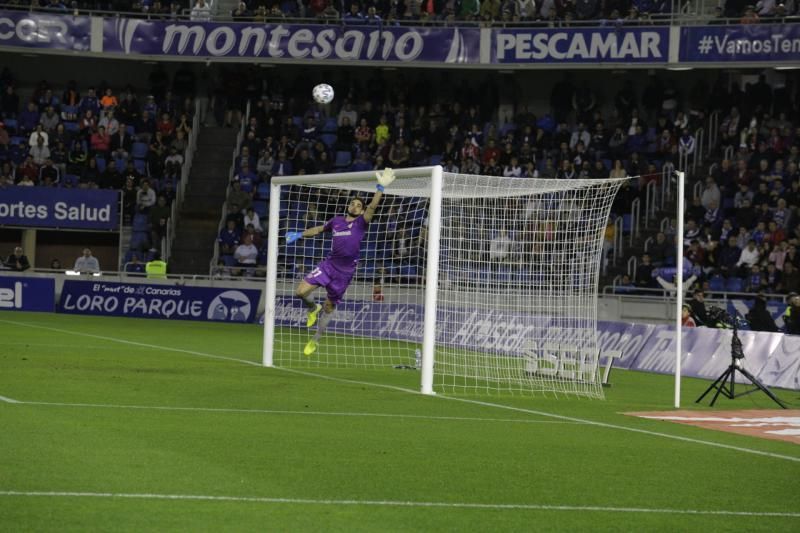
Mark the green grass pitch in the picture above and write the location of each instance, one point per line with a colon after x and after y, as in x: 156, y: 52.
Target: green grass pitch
x: 141, y: 425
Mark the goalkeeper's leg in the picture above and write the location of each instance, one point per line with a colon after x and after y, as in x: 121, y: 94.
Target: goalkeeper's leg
x: 304, y: 290
x: 327, y: 315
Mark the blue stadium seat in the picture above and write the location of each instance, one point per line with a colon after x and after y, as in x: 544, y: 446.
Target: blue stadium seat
x: 329, y: 139
x: 139, y: 150
x: 71, y: 127
x: 229, y: 260
x: 734, y: 285
x: 101, y: 163
x: 435, y: 159
x: 330, y: 126
x: 343, y: 159
x: 69, y: 180
x: 627, y: 223
x: 140, y: 222
x: 16, y: 141
x: 298, y: 121
x: 11, y: 124
x: 140, y: 240
x: 716, y: 283
x: 261, y: 208
x: 262, y: 191
x: 141, y: 166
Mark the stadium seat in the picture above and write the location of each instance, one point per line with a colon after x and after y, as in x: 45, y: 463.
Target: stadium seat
x: 330, y: 126
x: 69, y: 180
x: 141, y: 166
x: 343, y: 159
x: 329, y: 139
x: 627, y: 223
x: 262, y: 191
x: 716, y: 283
x: 734, y: 284
x: 139, y: 150
x: 131, y: 130
x: 71, y: 127
x: 140, y: 240
x: 11, y: 124
x: 261, y: 208
x: 140, y: 222
x: 101, y: 163
x: 435, y: 159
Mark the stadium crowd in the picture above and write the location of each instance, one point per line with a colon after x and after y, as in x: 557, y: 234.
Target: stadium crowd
x: 385, y: 12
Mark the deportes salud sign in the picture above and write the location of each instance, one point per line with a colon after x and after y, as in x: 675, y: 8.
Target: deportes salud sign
x: 159, y: 301
x: 59, y: 208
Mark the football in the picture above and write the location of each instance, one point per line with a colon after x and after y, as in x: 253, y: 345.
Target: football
x: 323, y: 93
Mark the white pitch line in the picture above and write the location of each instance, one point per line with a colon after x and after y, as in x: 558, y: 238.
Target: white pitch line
x: 133, y: 343
x: 397, y: 503
x: 451, y: 398
x: 282, y: 412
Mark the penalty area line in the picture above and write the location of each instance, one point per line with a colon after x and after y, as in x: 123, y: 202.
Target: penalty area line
x: 395, y: 503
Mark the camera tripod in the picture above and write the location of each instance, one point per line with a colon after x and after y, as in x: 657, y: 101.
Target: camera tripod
x: 726, y: 382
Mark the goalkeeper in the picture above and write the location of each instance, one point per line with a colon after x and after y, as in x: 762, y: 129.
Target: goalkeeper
x: 336, y: 271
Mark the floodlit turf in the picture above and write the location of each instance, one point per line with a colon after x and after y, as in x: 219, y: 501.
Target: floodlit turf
x: 172, y: 429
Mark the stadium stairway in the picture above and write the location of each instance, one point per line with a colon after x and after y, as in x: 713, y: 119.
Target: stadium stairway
x: 205, y: 194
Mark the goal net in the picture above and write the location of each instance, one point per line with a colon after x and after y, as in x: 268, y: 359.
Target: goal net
x: 487, y: 284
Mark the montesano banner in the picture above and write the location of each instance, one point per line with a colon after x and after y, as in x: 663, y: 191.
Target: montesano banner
x: 22, y: 293
x: 292, y: 41
x: 772, y: 357
x: 158, y: 301
x: 45, y: 30
x: 59, y: 208
x: 748, y: 42
x: 617, y: 44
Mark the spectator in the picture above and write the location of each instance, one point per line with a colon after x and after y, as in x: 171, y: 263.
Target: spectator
x: 158, y: 218
x: 229, y: 238
x: 698, y: 306
x: 86, y: 263
x: 251, y: 217
x: 644, y: 273
x: 246, y: 254
x: 17, y: 260
x: 145, y: 197
x: 686, y: 317
x: 748, y: 258
x: 500, y: 247
x: 201, y: 12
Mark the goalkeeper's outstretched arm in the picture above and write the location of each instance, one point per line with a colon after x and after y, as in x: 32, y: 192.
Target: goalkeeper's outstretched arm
x: 292, y: 236
x: 385, y: 178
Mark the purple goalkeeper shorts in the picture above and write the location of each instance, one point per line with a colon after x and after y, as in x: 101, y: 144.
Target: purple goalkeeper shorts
x: 334, y: 281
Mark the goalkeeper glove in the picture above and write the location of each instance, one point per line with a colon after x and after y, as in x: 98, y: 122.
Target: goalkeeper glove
x: 292, y: 236
x: 384, y: 178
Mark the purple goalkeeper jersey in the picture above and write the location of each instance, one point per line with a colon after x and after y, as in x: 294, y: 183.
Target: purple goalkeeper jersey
x: 347, y: 238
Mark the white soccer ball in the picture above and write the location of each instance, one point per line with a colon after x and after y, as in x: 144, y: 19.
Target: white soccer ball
x: 323, y: 93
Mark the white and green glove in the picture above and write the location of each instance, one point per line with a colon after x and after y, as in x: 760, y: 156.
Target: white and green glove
x: 384, y: 178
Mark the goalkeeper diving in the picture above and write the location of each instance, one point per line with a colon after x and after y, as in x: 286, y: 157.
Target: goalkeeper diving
x: 336, y: 271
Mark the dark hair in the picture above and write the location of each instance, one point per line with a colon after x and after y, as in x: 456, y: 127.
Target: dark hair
x: 361, y: 200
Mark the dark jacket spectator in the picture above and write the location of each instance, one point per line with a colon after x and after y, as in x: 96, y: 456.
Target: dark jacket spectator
x: 759, y: 317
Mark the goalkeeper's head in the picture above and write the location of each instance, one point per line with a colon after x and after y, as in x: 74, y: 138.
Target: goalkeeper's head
x: 355, y: 207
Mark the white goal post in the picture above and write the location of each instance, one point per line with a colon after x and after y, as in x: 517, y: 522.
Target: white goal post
x: 489, y: 284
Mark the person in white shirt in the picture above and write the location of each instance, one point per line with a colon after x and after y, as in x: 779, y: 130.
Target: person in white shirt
x: 145, y: 197
x: 749, y: 255
x: 33, y: 140
x: 201, y: 12
x: 246, y: 254
x: 500, y: 247
x: 86, y: 263
x: 251, y: 217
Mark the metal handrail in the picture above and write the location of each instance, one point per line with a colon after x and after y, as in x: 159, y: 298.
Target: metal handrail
x: 729, y: 152
x: 699, y: 141
x: 632, y: 269
x: 713, y: 131
x: 636, y: 207
x: 666, y: 178
x: 647, y: 243
x: 668, y: 294
x: 650, y: 203
x: 697, y: 190
x: 617, y: 249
